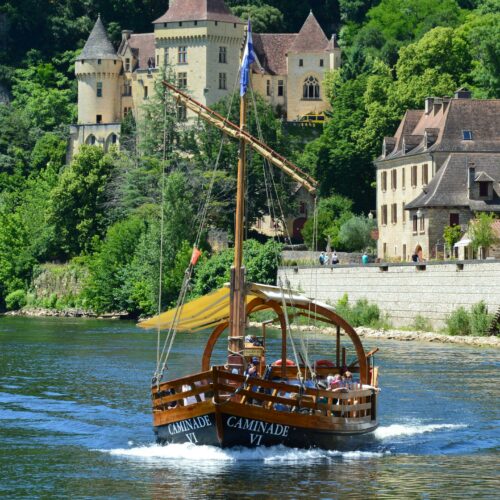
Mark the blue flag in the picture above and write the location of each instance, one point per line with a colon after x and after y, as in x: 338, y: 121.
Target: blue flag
x: 248, y: 58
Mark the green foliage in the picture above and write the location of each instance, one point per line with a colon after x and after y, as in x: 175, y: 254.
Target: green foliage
x: 481, y: 231
x: 265, y: 18
x: 15, y: 300
x: 77, y: 210
x: 361, y: 314
x: 333, y: 212
x: 356, y: 234
x: 451, y: 235
x: 476, y: 322
x: 422, y: 324
x: 261, y: 262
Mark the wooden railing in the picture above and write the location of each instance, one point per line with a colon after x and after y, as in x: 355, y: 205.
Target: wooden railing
x: 358, y: 403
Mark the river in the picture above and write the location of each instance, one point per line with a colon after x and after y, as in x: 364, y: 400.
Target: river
x: 75, y: 423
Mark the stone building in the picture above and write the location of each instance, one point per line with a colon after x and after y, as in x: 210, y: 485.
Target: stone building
x: 442, y: 166
x: 294, y: 67
x: 199, y: 41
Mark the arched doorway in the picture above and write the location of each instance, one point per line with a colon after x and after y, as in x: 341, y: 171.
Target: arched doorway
x: 298, y: 225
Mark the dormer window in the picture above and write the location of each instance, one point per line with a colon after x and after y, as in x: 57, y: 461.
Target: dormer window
x: 127, y: 64
x: 321, y: 62
x: 301, y: 62
x: 467, y: 135
x: 98, y: 61
x: 484, y: 190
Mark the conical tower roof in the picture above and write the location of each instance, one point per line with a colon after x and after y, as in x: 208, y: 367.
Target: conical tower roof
x: 98, y: 45
x: 311, y: 37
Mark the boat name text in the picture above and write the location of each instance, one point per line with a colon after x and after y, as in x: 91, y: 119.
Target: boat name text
x: 247, y: 424
x: 189, y: 425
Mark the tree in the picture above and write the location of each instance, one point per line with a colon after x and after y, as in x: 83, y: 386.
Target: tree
x: 451, y: 235
x: 482, y: 233
x: 332, y: 212
x: 77, y: 209
x: 265, y: 19
x: 356, y: 234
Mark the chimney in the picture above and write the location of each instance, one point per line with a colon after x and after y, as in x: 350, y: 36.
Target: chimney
x: 463, y: 93
x: 471, y: 171
x: 126, y: 35
x: 428, y: 104
x: 446, y: 102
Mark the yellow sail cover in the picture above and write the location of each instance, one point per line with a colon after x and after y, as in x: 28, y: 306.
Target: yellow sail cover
x: 213, y: 309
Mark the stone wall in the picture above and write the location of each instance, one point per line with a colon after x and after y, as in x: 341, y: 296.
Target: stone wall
x: 403, y: 291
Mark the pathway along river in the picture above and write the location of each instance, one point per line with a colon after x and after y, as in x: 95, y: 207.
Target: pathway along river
x: 75, y: 423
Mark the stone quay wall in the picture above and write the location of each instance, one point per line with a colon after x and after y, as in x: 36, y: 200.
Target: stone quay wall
x: 403, y: 291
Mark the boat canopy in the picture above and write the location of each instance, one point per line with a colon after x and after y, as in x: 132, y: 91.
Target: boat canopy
x: 213, y: 309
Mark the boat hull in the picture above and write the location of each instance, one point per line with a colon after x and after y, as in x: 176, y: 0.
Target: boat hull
x: 254, y: 432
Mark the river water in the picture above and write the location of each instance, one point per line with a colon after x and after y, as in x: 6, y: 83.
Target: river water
x: 75, y: 423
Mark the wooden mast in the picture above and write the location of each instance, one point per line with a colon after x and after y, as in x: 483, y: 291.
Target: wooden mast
x: 237, y: 311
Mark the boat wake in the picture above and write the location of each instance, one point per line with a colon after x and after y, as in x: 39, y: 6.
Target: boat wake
x: 401, y: 430
x: 274, y: 454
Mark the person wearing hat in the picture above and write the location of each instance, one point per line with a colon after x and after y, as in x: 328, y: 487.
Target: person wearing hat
x: 253, y: 367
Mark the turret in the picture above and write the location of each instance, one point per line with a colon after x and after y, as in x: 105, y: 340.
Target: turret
x: 97, y: 70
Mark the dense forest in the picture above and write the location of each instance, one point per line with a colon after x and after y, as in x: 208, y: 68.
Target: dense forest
x: 100, y: 214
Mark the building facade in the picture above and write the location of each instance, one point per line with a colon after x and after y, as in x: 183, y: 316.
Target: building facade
x: 441, y: 167
x: 199, y: 41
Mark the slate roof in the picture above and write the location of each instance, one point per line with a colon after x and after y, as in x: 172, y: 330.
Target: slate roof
x: 445, y: 124
x: 449, y: 187
x: 143, y: 48
x: 198, y: 10
x: 98, y: 45
x: 271, y: 50
x: 311, y: 37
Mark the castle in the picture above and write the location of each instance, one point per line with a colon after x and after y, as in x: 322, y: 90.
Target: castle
x: 200, y: 41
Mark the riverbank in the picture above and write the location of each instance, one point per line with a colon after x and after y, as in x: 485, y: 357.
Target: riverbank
x: 41, y: 312
x: 404, y: 335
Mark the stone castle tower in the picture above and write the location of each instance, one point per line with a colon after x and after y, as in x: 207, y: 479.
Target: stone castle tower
x: 98, y: 71
x: 200, y: 42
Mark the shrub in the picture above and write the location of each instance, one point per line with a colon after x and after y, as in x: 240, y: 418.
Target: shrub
x: 480, y: 320
x: 361, y: 314
x: 422, y: 324
x: 15, y: 300
x: 458, y: 323
x: 476, y: 322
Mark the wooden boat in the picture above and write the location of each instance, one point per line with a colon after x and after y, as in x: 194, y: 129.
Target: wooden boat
x: 284, y: 402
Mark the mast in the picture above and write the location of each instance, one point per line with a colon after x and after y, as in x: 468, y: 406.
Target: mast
x: 237, y: 311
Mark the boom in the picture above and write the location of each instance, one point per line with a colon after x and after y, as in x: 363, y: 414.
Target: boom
x: 234, y: 131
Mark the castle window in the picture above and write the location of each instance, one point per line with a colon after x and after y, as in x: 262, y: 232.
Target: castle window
x: 146, y: 96
x: 403, y: 177
x: 127, y: 64
x: 425, y: 174
x: 99, y: 89
x: 311, y: 88
x: 422, y: 224
x: 98, y: 61
x: 223, y: 55
x: 216, y: 23
x: 196, y: 23
x: 281, y: 88
x: 182, y: 80
x: 98, y: 119
x: 467, y: 135
x: 384, y: 215
x: 414, y: 176
x: 394, y: 178
x: 268, y: 87
x: 165, y: 57
x: 403, y: 212
x: 301, y: 62
x: 164, y: 25
x: 127, y: 89
x: 394, y: 213
x: 182, y: 55
x: 91, y: 140
x: 383, y: 181
x: 180, y: 23
x: 222, y: 81
x: 321, y: 62
x: 181, y: 113
x: 158, y: 60
x: 415, y: 224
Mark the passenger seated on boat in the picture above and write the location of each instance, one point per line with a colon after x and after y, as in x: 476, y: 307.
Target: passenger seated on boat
x: 253, y: 367
x: 347, y: 379
x: 335, y: 383
x: 252, y: 339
